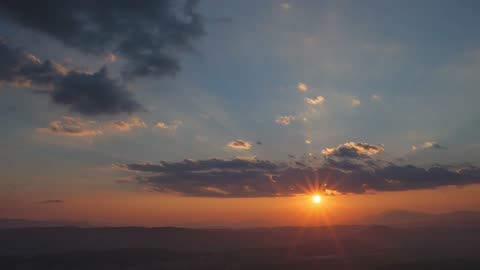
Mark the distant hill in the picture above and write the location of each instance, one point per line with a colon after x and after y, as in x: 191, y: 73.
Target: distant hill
x: 6, y: 223
x: 403, y: 217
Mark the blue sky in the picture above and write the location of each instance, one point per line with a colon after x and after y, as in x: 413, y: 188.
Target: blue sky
x: 393, y: 74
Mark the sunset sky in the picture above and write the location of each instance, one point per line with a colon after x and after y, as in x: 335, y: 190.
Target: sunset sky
x: 234, y: 113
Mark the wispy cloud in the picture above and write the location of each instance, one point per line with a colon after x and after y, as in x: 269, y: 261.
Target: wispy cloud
x: 78, y: 127
x: 285, y: 6
x: 355, y: 102
x: 376, y: 98
x: 315, y: 101
x: 173, y: 126
x: 302, y: 87
x: 126, y: 125
x: 284, y: 120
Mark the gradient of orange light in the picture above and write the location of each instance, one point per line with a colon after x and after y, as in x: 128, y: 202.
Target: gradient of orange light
x: 154, y: 209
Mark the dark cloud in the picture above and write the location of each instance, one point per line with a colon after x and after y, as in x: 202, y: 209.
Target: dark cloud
x: 150, y: 34
x: 93, y: 94
x: 20, y: 68
x: 202, y: 165
x: 86, y: 93
x: 257, y: 178
x: 51, y: 201
x: 353, y: 150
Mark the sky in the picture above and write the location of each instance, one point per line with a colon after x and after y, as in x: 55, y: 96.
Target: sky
x: 234, y: 113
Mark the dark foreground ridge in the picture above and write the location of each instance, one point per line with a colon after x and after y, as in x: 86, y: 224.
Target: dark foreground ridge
x: 339, y: 247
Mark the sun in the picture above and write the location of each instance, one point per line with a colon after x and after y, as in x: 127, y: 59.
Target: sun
x: 316, y: 199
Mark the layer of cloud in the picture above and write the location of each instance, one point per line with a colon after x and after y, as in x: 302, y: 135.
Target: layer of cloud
x: 315, y: 101
x: 149, y: 34
x: 51, y: 202
x: 78, y: 127
x: 353, y: 150
x: 83, y: 92
x: 284, y: 120
x: 240, y: 144
x: 262, y: 178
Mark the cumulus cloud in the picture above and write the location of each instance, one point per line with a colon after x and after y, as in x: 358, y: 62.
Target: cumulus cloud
x: 353, y: 150
x: 302, y: 87
x: 315, y: 101
x: 262, y: 178
x: 284, y: 120
x: 149, y: 34
x: 83, y: 92
x: 79, y: 127
x: 240, y: 144
x: 173, y: 126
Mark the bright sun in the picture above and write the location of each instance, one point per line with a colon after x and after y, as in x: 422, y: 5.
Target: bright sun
x: 316, y: 199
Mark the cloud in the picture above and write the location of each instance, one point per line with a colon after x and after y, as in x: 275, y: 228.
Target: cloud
x: 83, y: 92
x: 23, y: 69
x: 72, y: 127
x: 51, y: 201
x: 428, y: 145
x: 110, y: 58
x: 316, y: 101
x: 376, y: 98
x: 432, y: 145
x: 285, y: 6
x: 284, y: 120
x: 262, y: 178
x: 93, y: 94
x: 240, y: 144
x: 127, y: 125
x: 353, y: 150
x: 355, y: 102
x: 77, y: 127
x: 149, y: 34
x: 302, y: 87
x: 171, y: 127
